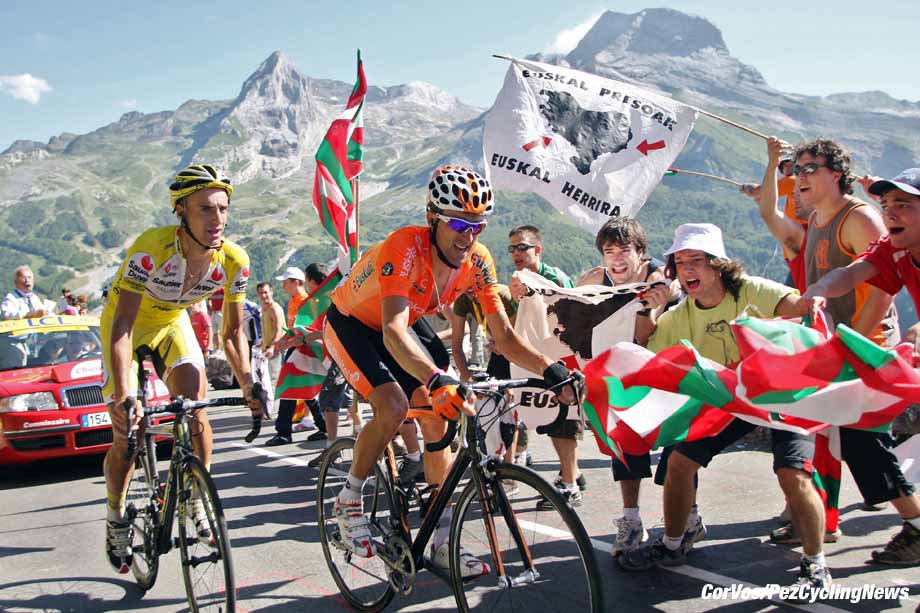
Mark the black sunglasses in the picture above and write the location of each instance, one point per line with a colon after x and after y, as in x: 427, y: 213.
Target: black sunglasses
x: 520, y: 247
x: 807, y: 169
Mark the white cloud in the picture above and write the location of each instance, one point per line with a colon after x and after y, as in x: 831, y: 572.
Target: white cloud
x: 568, y: 39
x: 128, y: 104
x: 24, y: 87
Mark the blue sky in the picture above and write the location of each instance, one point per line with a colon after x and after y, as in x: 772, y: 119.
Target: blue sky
x: 91, y: 61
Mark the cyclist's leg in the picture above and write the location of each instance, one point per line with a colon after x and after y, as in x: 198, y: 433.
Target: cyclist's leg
x: 180, y: 363
x: 360, y: 354
x: 116, y: 468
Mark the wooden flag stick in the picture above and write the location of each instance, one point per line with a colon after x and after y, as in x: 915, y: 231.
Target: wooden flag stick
x: 705, y: 176
x: 732, y: 123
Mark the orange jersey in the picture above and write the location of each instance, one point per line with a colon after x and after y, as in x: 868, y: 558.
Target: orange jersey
x: 293, y: 306
x: 401, y: 266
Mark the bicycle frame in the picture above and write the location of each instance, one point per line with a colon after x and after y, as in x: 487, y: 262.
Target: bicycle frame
x: 178, y: 430
x: 469, y: 455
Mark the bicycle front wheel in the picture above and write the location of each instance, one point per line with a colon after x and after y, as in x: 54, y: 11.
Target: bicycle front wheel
x: 142, y: 507
x: 364, y: 582
x: 542, y: 558
x: 204, y: 545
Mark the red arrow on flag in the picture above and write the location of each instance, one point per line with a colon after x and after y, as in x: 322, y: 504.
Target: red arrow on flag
x: 543, y: 141
x: 645, y: 146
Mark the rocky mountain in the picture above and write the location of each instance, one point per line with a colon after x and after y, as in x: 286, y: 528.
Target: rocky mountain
x: 70, y: 206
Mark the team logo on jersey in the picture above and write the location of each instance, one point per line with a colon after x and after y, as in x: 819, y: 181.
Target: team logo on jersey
x: 387, y: 269
x: 240, y: 281
x: 217, y: 276
x: 138, y: 267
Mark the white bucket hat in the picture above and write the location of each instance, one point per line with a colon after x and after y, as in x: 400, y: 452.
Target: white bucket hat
x: 292, y: 273
x: 704, y: 237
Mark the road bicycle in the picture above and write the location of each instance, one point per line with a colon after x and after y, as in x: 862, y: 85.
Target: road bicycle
x: 152, y: 504
x: 537, y: 558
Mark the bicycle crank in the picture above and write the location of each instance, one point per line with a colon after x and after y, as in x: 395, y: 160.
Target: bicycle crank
x: 396, y: 554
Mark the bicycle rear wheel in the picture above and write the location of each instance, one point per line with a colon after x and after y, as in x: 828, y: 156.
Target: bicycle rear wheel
x: 564, y: 573
x: 207, y: 565
x: 364, y: 582
x: 142, y: 508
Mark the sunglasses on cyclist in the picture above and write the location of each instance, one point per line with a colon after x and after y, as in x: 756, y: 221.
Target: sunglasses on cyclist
x: 807, y: 169
x: 461, y: 225
x: 520, y: 247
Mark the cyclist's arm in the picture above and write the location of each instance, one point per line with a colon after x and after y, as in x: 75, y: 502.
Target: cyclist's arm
x: 236, y: 347
x: 457, y: 332
x: 120, y: 347
x: 399, y: 343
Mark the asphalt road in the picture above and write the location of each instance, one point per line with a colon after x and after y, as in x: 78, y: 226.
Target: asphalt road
x: 51, y: 537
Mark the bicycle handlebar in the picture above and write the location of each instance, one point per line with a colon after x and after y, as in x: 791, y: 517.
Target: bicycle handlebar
x: 176, y: 406
x: 493, y: 386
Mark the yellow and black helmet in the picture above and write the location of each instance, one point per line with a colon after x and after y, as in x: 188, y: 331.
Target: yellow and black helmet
x: 195, y: 177
x: 460, y: 188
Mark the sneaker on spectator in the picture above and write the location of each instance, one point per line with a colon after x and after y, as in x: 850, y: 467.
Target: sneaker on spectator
x: 649, y: 556
x: 693, y: 534
x: 788, y: 535
x: 573, y: 497
x: 304, y: 425
x: 811, y: 579
x: 317, y: 436
x: 580, y: 481
x: 523, y: 458
x: 471, y: 566
x: 630, y: 535
x: 902, y: 550
x: 278, y: 439
x: 118, y: 536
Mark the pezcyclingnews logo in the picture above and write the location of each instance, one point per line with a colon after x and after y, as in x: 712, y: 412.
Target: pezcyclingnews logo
x: 803, y: 593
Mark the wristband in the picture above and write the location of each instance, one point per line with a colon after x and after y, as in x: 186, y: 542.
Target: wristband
x: 430, y: 378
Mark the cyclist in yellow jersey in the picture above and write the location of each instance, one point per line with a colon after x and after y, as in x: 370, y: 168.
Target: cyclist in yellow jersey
x: 166, y: 270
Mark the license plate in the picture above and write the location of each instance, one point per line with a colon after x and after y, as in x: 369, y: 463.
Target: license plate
x: 91, y: 420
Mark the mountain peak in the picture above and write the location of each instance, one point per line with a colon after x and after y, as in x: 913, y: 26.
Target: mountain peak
x: 649, y: 32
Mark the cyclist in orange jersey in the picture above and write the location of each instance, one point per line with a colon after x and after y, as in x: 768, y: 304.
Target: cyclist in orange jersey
x: 415, y: 271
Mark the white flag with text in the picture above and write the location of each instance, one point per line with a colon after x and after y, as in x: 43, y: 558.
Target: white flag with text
x: 595, y: 148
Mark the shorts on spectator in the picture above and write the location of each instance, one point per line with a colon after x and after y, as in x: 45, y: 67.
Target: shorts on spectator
x: 336, y: 394
x: 873, y: 466
x: 790, y: 450
x: 573, y: 429
x: 636, y: 467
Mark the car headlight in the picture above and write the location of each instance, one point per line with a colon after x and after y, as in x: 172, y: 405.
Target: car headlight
x: 39, y: 401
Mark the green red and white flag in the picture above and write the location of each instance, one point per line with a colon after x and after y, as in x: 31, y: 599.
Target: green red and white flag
x: 339, y: 160
x: 844, y: 380
x: 302, y: 374
x: 637, y: 400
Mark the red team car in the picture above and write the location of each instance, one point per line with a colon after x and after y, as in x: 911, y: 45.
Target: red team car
x: 51, y: 389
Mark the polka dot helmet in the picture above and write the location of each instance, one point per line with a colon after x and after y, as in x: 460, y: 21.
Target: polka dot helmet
x: 460, y: 188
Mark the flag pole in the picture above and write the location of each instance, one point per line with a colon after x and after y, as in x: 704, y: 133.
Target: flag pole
x: 706, y: 176
x: 355, y: 190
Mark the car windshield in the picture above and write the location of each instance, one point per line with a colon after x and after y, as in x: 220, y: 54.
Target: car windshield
x: 46, y: 347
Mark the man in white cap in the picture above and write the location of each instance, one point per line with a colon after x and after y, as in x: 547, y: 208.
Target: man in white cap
x: 717, y: 292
